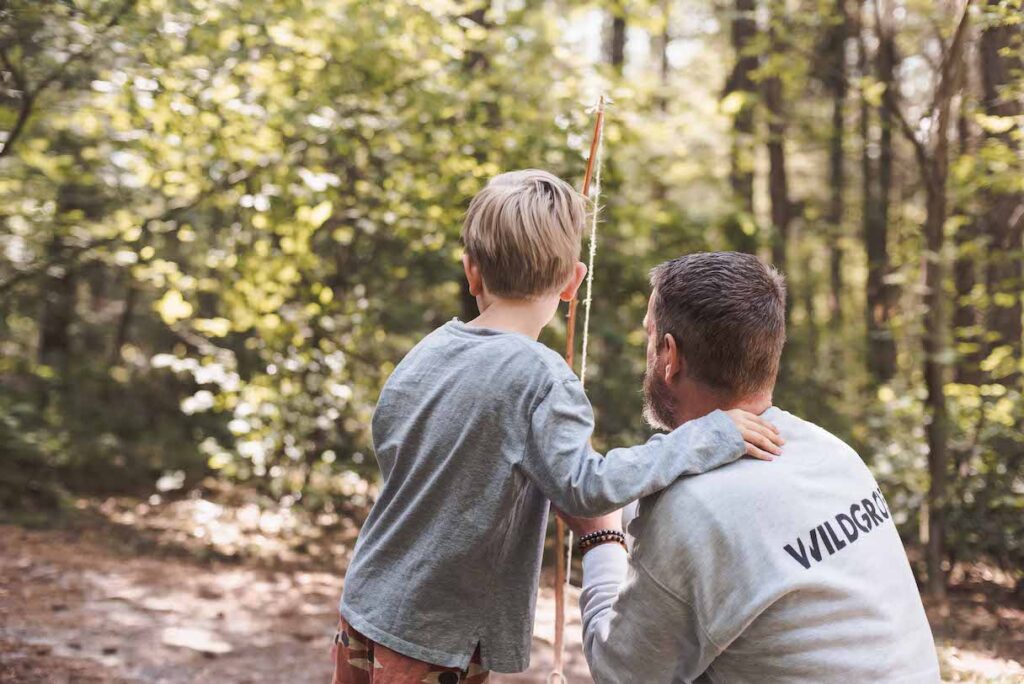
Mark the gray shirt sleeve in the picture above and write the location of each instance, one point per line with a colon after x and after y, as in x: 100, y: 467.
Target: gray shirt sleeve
x: 580, y: 482
x: 634, y: 628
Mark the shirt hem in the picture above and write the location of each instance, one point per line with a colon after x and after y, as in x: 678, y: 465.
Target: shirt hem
x: 427, y: 655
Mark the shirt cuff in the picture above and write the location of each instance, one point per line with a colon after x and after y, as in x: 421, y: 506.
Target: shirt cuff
x: 728, y: 432
x: 605, y: 563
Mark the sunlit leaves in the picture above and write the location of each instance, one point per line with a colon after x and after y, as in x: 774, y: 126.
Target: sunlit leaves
x: 268, y: 199
x: 172, y: 307
x: 212, y: 327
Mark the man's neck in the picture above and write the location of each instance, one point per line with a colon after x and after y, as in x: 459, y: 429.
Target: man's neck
x: 703, y: 403
x: 524, y: 316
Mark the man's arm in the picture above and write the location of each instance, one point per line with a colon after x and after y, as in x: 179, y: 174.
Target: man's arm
x: 635, y: 629
x: 579, y: 481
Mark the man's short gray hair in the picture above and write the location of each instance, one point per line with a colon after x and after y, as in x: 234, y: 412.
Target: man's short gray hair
x: 727, y: 313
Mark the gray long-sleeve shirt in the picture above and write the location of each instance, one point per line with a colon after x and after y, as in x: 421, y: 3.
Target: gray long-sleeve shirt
x: 789, y: 571
x: 474, y: 431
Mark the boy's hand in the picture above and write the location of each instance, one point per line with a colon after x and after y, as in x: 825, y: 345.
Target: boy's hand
x: 762, y: 438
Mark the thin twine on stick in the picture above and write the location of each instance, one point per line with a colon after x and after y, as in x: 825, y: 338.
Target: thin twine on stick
x: 595, y: 195
x: 591, y: 190
x: 595, y: 201
x: 595, y: 198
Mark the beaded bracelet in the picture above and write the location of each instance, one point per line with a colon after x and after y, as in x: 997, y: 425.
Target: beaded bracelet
x: 611, y: 540
x: 601, y: 532
x: 588, y: 541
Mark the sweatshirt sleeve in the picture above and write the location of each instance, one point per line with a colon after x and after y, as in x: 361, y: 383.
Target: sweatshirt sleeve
x: 580, y: 482
x: 634, y: 629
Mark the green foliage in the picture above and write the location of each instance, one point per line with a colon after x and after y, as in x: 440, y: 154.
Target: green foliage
x: 223, y: 223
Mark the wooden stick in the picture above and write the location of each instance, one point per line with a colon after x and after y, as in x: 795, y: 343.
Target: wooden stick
x: 570, y: 346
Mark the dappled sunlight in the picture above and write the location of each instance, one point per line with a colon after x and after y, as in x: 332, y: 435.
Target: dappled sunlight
x: 224, y: 224
x: 75, y: 603
x: 164, y: 619
x: 965, y: 665
x: 258, y: 530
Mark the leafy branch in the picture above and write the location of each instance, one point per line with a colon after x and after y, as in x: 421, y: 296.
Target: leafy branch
x: 74, y: 253
x: 30, y: 93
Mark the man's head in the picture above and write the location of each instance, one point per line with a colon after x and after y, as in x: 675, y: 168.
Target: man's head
x: 522, y: 236
x: 716, y: 324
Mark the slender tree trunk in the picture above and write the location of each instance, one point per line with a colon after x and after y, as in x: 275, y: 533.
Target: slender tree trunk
x: 57, y: 314
x: 741, y: 157
x: 869, y: 204
x: 1004, y: 215
x: 467, y: 303
x: 617, y: 41
x: 60, y: 289
x: 658, y: 189
x: 125, y: 321
x: 477, y: 65
x: 877, y: 181
x: 933, y: 160
x: 967, y: 320
x: 664, y: 66
x: 837, y: 83
x: 778, y: 184
x: 935, y: 344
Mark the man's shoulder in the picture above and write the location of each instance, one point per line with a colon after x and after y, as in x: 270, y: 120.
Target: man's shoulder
x: 752, y: 490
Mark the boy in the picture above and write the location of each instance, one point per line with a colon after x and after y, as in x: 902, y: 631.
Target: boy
x: 477, y: 428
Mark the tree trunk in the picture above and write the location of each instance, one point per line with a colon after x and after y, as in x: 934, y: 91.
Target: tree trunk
x: 57, y: 314
x: 837, y: 85
x: 741, y: 156
x: 617, y: 41
x: 935, y: 344
x: 877, y: 181
x: 124, y: 323
x: 663, y: 63
x: 1003, y: 219
x: 60, y: 287
x: 658, y: 189
x: 933, y: 162
x: 477, y: 65
x: 778, y: 185
x: 967, y: 321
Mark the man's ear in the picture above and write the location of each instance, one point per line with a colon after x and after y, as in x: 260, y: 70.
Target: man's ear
x: 473, y: 277
x: 578, y: 274
x: 673, y: 359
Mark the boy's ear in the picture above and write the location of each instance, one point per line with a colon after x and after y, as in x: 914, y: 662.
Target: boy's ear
x: 578, y: 274
x: 473, y: 277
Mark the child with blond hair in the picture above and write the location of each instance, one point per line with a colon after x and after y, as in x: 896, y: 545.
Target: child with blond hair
x: 476, y: 430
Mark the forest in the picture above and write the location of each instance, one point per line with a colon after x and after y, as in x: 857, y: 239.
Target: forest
x: 223, y: 222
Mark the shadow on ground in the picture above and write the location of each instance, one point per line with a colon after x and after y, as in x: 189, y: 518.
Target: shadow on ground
x: 191, y: 591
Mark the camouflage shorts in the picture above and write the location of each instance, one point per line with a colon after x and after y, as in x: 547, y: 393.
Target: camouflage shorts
x: 357, y: 660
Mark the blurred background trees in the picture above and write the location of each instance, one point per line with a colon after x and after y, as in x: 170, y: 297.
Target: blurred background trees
x: 223, y: 222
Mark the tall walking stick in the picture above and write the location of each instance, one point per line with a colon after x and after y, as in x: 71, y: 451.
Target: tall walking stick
x: 563, y: 554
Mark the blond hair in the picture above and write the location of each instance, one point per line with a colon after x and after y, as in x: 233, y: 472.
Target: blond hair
x: 523, y: 232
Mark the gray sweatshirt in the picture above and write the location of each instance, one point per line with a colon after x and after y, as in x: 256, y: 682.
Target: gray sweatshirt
x: 474, y: 431
x: 789, y: 571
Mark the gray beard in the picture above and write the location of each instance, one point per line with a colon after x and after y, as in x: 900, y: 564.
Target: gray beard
x: 659, y: 402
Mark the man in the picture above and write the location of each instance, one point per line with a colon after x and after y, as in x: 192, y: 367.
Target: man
x: 789, y: 570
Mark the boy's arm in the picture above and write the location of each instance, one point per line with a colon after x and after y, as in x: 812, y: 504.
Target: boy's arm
x: 581, y: 482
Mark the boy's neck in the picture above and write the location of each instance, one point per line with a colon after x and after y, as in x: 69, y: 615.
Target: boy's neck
x: 524, y: 316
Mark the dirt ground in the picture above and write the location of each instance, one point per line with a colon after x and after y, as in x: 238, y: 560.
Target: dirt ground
x: 143, y: 598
